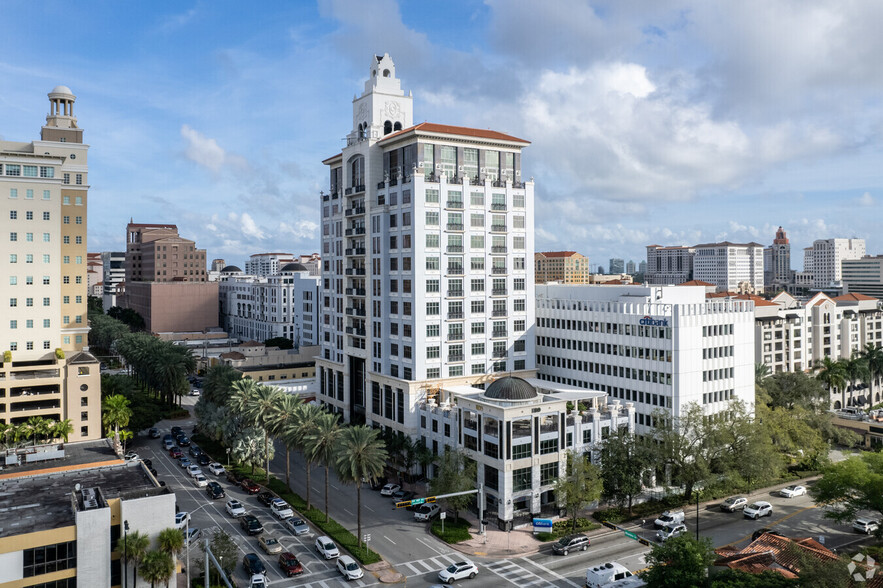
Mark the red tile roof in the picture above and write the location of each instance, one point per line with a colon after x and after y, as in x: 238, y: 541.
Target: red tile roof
x: 696, y: 283
x: 768, y: 552
x: 853, y: 297
x: 557, y: 253
x: 438, y: 129
x: 332, y: 158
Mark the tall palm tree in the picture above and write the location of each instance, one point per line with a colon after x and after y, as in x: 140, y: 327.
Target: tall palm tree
x: 321, y: 445
x: 260, y: 412
x: 361, y: 455
x: 244, y: 391
x: 157, y: 567
x: 218, y: 383
x: 116, y: 414
x: 170, y: 540
x: 856, y: 368
x: 285, y: 415
x: 133, y: 547
x: 6, y: 430
x: 308, y: 415
x: 833, y: 376
x: 873, y: 355
x: 63, y: 430
x: 39, y: 427
x: 761, y: 371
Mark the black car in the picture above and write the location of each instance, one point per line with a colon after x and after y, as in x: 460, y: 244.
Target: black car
x: 177, y: 431
x: 251, y: 525
x: 194, y: 451
x: 168, y: 437
x: 266, y: 497
x: 153, y: 433
x: 570, y: 543
x: 378, y: 483
x: 214, y: 491
x: 253, y: 564
x: 402, y: 495
x: 203, y: 459
x: 183, y: 440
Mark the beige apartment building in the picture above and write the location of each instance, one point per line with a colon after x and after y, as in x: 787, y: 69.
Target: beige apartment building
x: 44, y: 370
x: 564, y: 267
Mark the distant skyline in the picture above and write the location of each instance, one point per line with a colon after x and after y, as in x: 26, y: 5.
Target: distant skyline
x: 671, y: 123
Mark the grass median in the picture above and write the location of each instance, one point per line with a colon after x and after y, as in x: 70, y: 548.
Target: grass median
x: 338, y: 533
x: 455, y: 530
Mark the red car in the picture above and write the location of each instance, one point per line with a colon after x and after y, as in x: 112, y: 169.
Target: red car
x: 289, y: 564
x: 176, y: 453
x: 249, y: 486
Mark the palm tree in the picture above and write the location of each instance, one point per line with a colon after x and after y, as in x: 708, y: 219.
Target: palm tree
x: 157, y: 567
x: 6, y: 430
x: 116, y: 414
x: 761, y: 371
x: 39, y: 427
x: 321, y: 444
x: 856, y: 368
x: 133, y: 547
x: 170, y: 540
x: 125, y: 435
x: 832, y: 375
x: 260, y: 411
x: 285, y: 415
x: 308, y: 415
x: 244, y: 391
x: 873, y: 355
x: 425, y: 458
x: 63, y: 430
x: 218, y: 383
x: 361, y: 455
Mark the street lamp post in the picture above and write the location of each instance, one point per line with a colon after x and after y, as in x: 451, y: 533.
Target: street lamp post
x: 125, y: 558
x: 187, y: 540
x: 697, y: 515
x: 228, y: 457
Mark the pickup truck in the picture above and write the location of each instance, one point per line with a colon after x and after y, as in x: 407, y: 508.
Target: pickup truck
x: 280, y: 509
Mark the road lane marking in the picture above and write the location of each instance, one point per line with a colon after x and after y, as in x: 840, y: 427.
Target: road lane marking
x: 388, y: 539
x: 773, y: 524
x: 348, y: 512
x: 551, y: 573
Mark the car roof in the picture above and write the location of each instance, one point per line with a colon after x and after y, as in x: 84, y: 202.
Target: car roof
x: 346, y: 559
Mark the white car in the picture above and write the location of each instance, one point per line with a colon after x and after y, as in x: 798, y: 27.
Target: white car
x: 326, y: 547
x: 390, y: 489
x: 458, y: 571
x: 193, y: 535
x: 200, y: 481
x: 216, y: 468
x: 666, y: 533
x: 258, y: 581
x: 131, y: 456
x: 426, y: 512
x: 349, y: 568
x: 194, y: 471
x: 181, y: 519
x: 235, y: 508
x: 297, y: 526
x: 758, y: 509
x: 866, y: 525
x: 280, y: 509
x: 792, y: 491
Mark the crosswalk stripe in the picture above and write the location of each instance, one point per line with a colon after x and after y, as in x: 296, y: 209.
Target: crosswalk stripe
x: 410, y: 567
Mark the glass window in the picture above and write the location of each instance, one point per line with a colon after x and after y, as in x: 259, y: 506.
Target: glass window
x: 548, y: 473
x: 431, y: 196
x: 521, y: 479
x: 521, y: 451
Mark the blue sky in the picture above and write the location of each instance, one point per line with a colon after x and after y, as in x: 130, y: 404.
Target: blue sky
x: 670, y: 122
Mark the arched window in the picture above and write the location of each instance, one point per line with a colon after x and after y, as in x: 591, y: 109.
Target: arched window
x: 386, y: 73
x: 357, y: 171
x: 397, y: 126
x: 387, y: 128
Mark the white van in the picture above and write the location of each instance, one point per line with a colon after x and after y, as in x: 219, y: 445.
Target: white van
x: 669, y: 518
x: 606, y: 574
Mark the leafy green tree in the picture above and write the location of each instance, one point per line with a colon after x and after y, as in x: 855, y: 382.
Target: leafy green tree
x: 280, y: 342
x: 761, y: 372
x: 62, y: 430
x: 624, y: 459
x: 321, y: 444
x: 738, y: 579
x: 679, y: 562
x: 455, y: 473
x: 748, y: 452
x: 852, y: 486
x: 115, y: 414
x: 580, y: 486
x: 818, y: 573
x: 361, y: 455
x: 795, y: 390
x: 94, y: 305
x: 133, y: 547
x: 832, y: 375
x: 157, y: 567
x: 224, y: 549
x: 687, y: 444
x: 128, y: 316
x: 104, y: 331
x: 249, y: 447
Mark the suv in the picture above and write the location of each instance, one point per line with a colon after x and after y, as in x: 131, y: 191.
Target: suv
x: 426, y: 511
x: 214, y: 490
x: 251, y: 525
x: 734, y: 503
x: 280, y: 509
x: 253, y: 564
x: 669, y: 518
x: 565, y: 545
x: 458, y: 571
x: 668, y: 532
x: 266, y: 497
x: 866, y: 525
x: 349, y: 568
x: 153, y: 433
x: 326, y: 547
x: 758, y: 509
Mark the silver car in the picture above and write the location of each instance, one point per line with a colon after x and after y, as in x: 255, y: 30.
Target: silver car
x: 297, y: 526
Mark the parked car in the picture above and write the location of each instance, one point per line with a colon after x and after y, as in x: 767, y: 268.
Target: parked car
x: 378, y: 484
x: 349, y: 568
x: 326, y: 547
x: 758, y: 509
x: 253, y: 564
x: 792, y: 491
x: 234, y: 508
x: 250, y: 486
x: 183, y: 440
x: 666, y: 533
x: 194, y: 450
x: 214, y: 491
x: 181, y: 519
x: 669, y: 518
x: 565, y: 545
x: 216, y: 468
x: 458, y: 571
x: 176, y: 431
x: 280, y: 509
x: 194, y: 392
x: 203, y: 459
x: 176, y: 453
x: 194, y: 471
x: 426, y: 512
x: 258, y: 581
x: 192, y: 536
x: 250, y: 524
x: 607, y: 574
x: 169, y: 444
x: 866, y: 525
x: 131, y: 456
x: 390, y: 489
x: 297, y: 526
x: 270, y: 545
x: 289, y: 564
x: 199, y: 481
x: 266, y: 497
x: 185, y: 462
x: 403, y: 495
x: 153, y: 433
x: 734, y: 503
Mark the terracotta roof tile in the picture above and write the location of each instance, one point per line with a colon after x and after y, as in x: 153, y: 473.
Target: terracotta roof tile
x: 696, y: 283
x: 452, y: 130
x: 557, y: 253
x: 853, y: 297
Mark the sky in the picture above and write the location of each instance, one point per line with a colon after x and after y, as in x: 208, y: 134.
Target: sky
x: 651, y: 122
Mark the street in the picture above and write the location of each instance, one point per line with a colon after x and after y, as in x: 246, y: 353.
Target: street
x: 410, y: 549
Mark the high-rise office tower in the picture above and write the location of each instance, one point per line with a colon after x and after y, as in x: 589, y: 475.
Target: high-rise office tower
x: 427, y: 233
x: 44, y: 329
x: 617, y: 266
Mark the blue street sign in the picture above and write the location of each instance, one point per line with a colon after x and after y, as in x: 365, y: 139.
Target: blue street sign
x: 547, y: 523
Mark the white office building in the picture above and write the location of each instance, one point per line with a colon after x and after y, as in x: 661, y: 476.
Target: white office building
x: 668, y: 265
x: 258, y: 308
x: 427, y: 247
x: 267, y: 264
x: 825, y: 258
x: 657, y: 347
x: 731, y: 267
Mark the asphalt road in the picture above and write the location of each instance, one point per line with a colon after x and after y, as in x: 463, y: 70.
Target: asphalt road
x: 408, y: 546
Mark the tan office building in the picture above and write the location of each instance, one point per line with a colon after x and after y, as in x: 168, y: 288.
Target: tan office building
x: 564, y: 267
x: 44, y: 371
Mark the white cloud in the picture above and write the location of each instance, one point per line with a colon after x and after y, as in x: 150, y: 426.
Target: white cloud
x: 206, y: 152
x: 865, y: 199
x: 249, y: 227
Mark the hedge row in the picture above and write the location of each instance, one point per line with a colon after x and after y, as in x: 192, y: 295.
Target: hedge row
x: 332, y: 528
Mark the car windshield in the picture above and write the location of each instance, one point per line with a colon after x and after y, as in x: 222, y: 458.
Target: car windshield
x: 296, y: 522
x: 755, y: 506
x: 352, y: 566
x: 329, y: 546
x: 452, y: 568
x: 791, y: 488
x: 270, y: 541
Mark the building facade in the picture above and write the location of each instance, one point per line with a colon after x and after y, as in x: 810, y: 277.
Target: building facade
x: 824, y: 259
x: 617, y: 266
x: 156, y: 253
x: 863, y: 276
x: 426, y: 232
x: 114, y: 269
x: 563, y: 267
x: 777, y: 261
x: 660, y: 348
x: 43, y: 334
x: 267, y: 264
x: 668, y: 265
x: 732, y: 267
x: 284, y: 304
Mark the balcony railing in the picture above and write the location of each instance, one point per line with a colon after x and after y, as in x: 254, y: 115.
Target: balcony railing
x: 455, y: 293
x: 355, y: 231
x: 456, y: 357
x: 355, y: 271
x: 355, y: 331
x: 454, y: 249
x: 455, y: 204
x: 356, y: 210
x: 355, y: 251
x: 455, y: 314
x: 456, y: 337
x: 351, y: 311
x: 499, y: 249
x: 355, y: 291
x: 476, y: 181
x: 455, y: 227
x: 499, y: 333
x: 498, y: 206
x: 499, y: 355
x: 498, y: 228
x: 455, y: 270
x: 499, y: 271
x: 500, y: 313
x: 498, y: 292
